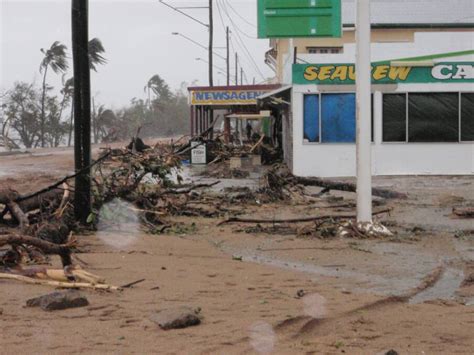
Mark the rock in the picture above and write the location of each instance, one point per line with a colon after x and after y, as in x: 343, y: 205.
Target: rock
x: 59, y: 300
x: 391, y: 352
x: 176, y: 318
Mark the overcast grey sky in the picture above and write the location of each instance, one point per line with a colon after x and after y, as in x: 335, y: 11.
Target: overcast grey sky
x: 137, y: 37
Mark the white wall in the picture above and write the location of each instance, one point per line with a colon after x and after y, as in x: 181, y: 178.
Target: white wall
x: 335, y: 159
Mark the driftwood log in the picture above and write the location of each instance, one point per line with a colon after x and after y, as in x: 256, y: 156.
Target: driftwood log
x: 345, y: 186
x: 298, y: 220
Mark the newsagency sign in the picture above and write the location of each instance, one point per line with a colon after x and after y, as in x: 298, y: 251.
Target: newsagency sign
x: 331, y: 74
x: 225, y: 97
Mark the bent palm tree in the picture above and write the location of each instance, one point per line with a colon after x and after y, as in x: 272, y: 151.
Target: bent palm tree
x: 159, y: 88
x: 54, y: 58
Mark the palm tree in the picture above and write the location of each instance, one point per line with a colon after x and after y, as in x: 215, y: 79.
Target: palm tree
x: 54, y: 58
x: 67, y: 91
x: 159, y: 88
x: 96, y: 49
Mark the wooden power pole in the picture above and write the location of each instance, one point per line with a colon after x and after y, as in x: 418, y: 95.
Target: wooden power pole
x: 227, y: 56
x: 82, y: 109
x: 236, y: 69
x: 211, y: 39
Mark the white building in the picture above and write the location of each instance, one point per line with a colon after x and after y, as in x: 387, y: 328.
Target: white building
x: 423, y: 92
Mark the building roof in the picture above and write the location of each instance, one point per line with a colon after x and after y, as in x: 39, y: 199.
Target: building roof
x: 400, y: 13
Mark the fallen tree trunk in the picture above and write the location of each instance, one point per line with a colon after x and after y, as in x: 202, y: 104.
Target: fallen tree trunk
x: 298, y: 220
x: 345, y: 186
x: 63, y: 250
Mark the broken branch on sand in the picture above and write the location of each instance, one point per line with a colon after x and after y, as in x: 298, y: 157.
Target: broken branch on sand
x: 297, y: 220
x: 63, y: 250
x: 59, y: 284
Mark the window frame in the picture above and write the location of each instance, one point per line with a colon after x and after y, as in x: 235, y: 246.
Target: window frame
x: 460, y: 117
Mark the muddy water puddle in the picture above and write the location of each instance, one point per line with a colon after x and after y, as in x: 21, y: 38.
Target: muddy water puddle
x: 403, y: 271
x: 445, y: 288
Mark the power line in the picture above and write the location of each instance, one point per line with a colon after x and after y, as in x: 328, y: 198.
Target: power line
x: 242, y: 43
x: 184, y: 13
x: 239, y: 15
x: 236, y: 27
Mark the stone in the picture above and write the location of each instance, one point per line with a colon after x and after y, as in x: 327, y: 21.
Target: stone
x: 176, y: 318
x: 391, y: 352
x: 59, y: 300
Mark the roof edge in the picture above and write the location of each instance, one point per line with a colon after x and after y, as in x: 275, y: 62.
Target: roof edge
x: 417, y: 25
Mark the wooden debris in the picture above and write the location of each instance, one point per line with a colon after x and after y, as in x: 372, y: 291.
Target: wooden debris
x: 464, y: 212
x: 59, y: 284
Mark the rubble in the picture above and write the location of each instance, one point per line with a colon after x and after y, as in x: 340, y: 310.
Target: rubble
x: 59, y: 300
x: 176, y: 318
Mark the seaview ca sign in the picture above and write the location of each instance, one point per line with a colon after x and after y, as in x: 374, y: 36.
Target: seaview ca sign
x: 383, y: 73
x: 225, y: 97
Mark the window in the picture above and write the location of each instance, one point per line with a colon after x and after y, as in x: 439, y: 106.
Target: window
x: 331, y: 118
x: 338, y: 118
x: 394, y: 117
x: 467, y: 117
x: 433, y: 117
x: 324, y: 50
x: 311, y: 118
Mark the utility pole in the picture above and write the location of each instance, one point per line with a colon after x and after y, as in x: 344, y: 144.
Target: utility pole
x: 227, y: 56
x: 82, y: 109
x: 363, y: 83
x: 236, y: 69
x: 211, y: 39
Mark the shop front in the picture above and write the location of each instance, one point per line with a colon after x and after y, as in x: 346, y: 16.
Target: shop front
x: 208, y: 104
x: 422, y: 118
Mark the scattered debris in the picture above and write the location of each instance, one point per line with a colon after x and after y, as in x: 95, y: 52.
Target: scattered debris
x: 363, y: 230
x: 131, y: 284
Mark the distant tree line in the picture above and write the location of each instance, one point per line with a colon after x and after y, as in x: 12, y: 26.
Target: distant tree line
x: 40, y: 116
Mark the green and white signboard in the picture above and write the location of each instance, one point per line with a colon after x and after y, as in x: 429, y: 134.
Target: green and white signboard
x: 299, y: 18
x: 384, y: 73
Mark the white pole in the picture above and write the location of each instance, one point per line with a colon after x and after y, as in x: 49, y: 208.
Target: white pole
x: 363, y: 82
